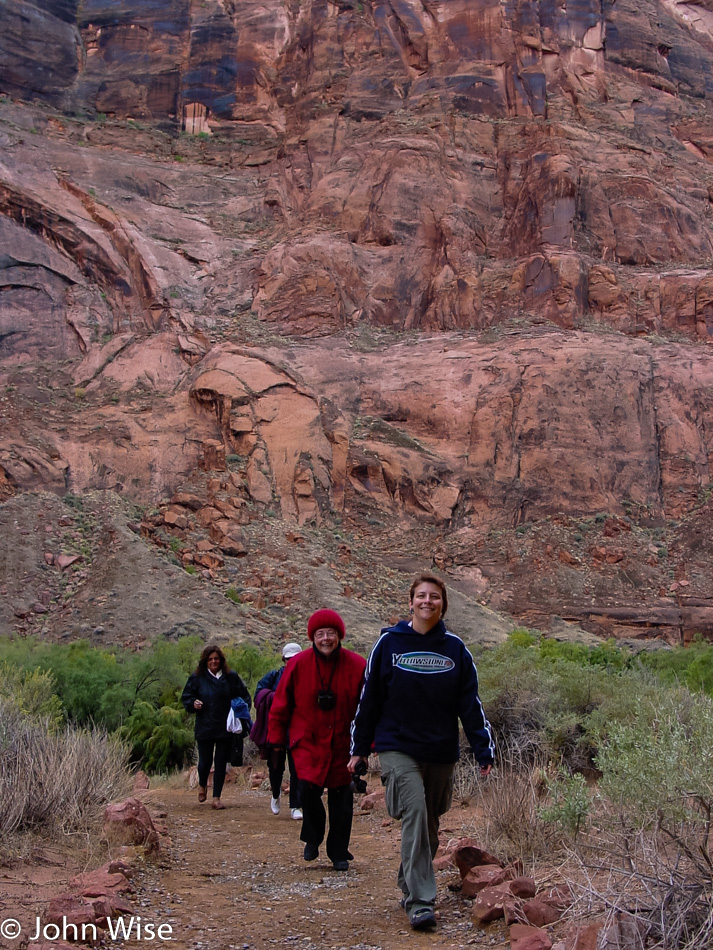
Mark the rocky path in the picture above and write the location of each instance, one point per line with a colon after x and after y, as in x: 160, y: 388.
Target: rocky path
x: 236, y: 880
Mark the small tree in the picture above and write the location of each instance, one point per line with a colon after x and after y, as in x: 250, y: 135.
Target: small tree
x: 160, y: 738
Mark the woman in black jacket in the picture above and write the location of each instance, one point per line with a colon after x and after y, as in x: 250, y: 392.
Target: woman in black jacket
x: 207, y: 694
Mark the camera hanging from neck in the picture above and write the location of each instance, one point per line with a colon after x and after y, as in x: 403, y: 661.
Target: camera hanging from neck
x: 326, y: 699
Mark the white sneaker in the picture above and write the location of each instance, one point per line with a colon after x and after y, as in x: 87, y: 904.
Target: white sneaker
x: 275, y: 806
x: 296, y: 814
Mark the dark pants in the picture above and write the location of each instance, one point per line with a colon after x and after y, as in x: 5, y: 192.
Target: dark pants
x: 340, y: 802
x: 205, y: 760
x: 276, y: 769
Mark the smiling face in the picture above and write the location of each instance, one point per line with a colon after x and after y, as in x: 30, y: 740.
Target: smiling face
x: 427, y: 606
x: 213, y: 662
x: 326, y: 640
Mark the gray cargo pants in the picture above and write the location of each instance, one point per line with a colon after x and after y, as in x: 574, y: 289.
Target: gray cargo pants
x: 417, y: 793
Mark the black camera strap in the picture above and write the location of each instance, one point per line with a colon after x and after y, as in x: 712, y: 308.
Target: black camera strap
x: 328, y: 687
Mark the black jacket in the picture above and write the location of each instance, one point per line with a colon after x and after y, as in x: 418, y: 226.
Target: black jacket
x: 215, y: 694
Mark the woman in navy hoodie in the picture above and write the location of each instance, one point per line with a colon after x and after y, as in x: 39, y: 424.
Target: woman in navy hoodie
x: 420, y: 680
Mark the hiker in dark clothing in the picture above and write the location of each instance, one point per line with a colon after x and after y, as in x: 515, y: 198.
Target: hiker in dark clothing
x: 208, y: 693
x: 276, y: 758
x: 420, y: 680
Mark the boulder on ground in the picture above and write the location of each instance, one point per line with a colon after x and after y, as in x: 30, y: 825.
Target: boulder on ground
x: 540, y: 913
x: 523, y: 937
x: 489, y: 904
x: 101, y: 881
x: 469, y: 856
x: 131, y: 822
x: 524, y: 887
x: 478, y: 878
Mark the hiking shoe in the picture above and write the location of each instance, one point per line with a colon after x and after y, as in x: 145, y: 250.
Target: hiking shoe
x: 423, y: 919
x: 311, y: 852
x: 340, y: 865
x: 296, y: 813
x: 275, y: 806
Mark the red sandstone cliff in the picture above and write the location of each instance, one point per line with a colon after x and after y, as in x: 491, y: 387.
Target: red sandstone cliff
x: 438, y: 264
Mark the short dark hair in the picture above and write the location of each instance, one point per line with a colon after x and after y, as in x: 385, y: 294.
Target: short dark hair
x: 203, y: 661
x: 430, y: 579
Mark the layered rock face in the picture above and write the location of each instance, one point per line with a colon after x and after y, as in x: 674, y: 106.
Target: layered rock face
x: 437, y: 167
x: 449, y: 263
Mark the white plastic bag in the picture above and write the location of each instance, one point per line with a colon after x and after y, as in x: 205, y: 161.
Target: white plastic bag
x: 233, y: 724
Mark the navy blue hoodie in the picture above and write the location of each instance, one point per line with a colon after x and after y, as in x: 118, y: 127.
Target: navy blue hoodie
x: 416, y: 689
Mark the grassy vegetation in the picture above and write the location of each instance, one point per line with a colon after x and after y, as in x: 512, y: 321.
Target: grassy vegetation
x: 135, y: 697
x: 55, y: 777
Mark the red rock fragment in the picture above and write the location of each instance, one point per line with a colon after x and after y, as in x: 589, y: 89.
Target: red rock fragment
x: 523, y: 937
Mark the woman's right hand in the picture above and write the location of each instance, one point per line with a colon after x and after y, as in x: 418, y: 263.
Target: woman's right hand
x: 354, y: 761
x: 197, y: 704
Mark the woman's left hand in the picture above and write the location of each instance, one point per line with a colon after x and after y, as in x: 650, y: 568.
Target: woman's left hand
x: 486, y: 769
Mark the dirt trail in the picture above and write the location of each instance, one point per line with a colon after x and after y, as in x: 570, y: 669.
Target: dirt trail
x: 236, y: 879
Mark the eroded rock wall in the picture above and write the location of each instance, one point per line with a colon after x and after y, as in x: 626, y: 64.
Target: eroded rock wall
x: 449, y: 263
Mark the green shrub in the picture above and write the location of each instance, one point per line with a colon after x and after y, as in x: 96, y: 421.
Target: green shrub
x: 135, y: 695
x: 658, y: 766
x: 692, y: 665
x: 554, y: 700
x: 32, y: 692
x: 99, y: 686
x: 570, y: 801
x: 161, y: 739
x: 252, y: 663
x: 652, y: 825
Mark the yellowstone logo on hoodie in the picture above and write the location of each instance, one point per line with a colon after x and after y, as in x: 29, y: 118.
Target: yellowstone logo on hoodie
x: 422, y: 662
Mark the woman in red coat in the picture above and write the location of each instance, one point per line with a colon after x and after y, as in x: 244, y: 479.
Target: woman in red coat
x: 315, y: 703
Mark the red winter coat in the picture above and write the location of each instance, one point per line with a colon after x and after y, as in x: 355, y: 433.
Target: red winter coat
x: 318, y: 739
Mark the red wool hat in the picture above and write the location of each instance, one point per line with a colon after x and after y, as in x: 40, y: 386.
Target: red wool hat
x: 325, y: 618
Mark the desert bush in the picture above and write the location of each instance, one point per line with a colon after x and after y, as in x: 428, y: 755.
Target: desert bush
x: 569, y: 801
x: 690, y: 666
x: 102, y: 686
x: 648, y: 852
x: 509, y: 803
x: 555, y: 701
x: 93, y: 685
x: 55, y: 780
x: 252, y: 663
x: 161, y: 739
x: 657, y: 768
x: 135, y: 695
x: 32, y: 693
